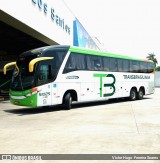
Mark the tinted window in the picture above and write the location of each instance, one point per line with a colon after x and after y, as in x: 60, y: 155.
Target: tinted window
x: 25, y: 79
x: 44, y: 74
x: 134, y: 66
x: 120, y: 65
x: 58, y: 56
x: 150, y: 67
x: 143, y: 67
x: 113, y: 65
x: 106, y: 63
x: 94, y: 63
x: 75, y: 62
x: 126, y: 67
x: 78, y: 61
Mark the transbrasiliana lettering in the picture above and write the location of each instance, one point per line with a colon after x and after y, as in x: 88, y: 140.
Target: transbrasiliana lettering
x: 136, y: 77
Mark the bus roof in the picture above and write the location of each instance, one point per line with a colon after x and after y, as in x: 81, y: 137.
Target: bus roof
x: 50, y: 47
x: 84, y: 51
x: 100, y: 53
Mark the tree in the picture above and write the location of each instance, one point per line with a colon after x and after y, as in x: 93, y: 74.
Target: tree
x: 157, y: 68
x: 151, y: 56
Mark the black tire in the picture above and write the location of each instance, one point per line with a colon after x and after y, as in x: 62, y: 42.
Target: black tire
x: 67, y: 101
x: 140, y: 94
x: 133, y: 95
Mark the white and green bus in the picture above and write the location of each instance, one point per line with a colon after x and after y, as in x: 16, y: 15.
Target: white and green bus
x: 64, y: 74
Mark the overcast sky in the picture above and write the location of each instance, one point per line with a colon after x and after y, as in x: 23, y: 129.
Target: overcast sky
x: 127, y: 27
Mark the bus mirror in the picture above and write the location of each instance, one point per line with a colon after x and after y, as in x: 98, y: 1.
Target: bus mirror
x: 34, y: 61
x: 8, y: 65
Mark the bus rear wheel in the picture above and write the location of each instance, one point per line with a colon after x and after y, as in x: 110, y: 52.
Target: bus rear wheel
x: 133, y: 95
x: 67, y: 101
x: 140, y: 94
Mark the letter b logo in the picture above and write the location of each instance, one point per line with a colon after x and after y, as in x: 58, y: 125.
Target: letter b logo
x: 110, y: 85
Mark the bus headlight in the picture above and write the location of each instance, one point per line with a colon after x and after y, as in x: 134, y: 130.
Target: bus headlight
x: 27, y: 95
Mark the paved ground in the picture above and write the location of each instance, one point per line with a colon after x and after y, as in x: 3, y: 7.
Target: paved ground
x: 113, y: 127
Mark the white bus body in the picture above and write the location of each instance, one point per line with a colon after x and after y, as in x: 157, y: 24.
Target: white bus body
x: 78, y: 83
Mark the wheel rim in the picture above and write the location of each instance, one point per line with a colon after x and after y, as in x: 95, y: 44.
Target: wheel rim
x: 70, y: 100
x: 133, y: 95
x: 140, y: 93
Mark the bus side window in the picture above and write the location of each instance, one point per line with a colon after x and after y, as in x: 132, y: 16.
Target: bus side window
x: 106, y: 63
x: 97, y: 62
x: 120, y: 65
x: 80, y: 60
x: 126, y: 67
x: 71, y: 64
x: 94, y: 63
x: 143, y: 67
x: 44, y: 74
x: 75, y: 62
x: 150, y: 67
x: 113, y: 65
x: 134, y: 66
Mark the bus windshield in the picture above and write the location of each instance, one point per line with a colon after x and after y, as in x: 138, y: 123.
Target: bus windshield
x: 44, y: 71
x: 22, y: 78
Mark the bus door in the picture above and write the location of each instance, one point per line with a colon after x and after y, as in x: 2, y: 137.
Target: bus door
x: 44, y: 95
x: 44, y: 78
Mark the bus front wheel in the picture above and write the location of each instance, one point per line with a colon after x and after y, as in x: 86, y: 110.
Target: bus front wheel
x: 133, y: 95
x: 68, y: 101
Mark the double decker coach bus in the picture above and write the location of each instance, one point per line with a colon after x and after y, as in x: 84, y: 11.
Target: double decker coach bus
x: 64, y: 74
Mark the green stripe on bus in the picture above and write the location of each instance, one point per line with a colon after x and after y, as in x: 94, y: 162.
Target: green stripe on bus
x: 99, y: 53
